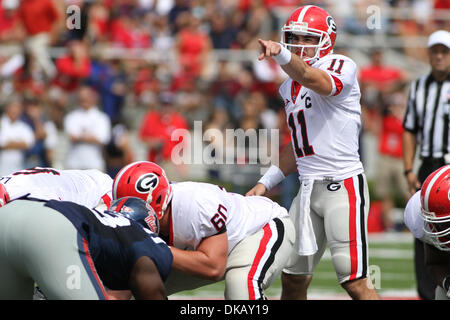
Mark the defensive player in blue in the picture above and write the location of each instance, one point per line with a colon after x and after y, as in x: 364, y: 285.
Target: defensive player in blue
x: 73, y: 252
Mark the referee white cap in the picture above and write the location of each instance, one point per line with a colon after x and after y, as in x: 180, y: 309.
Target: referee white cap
x: 439, y: 37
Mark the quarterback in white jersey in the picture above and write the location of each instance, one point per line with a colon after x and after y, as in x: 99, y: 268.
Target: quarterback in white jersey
x: 90, y: 188
x: 323, y: 113
x: 427, y: 216
x: 325, y: 140
x: 213, y: 234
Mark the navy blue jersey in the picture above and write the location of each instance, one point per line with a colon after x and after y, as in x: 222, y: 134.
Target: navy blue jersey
x: 115, y: 243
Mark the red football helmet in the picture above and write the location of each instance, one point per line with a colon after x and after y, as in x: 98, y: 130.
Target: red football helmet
x: 435, y: 205
x: 312, y: 21
x: 145, y: 180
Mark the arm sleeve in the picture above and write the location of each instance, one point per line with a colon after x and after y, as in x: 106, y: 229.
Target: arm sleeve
x: 343, y: 74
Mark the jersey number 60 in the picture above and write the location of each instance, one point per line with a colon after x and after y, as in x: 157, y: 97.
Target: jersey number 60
x: 220, y: 218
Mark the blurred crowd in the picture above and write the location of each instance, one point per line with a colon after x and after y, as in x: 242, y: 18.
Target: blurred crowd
x: 97, y: 71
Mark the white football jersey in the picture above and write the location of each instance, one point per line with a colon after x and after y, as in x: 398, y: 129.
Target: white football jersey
x: 413, y: 221
x: 85, y: 187
x: 201, y: 210
x: 325, y: 129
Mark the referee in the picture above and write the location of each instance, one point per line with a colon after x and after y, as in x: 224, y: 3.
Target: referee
x: 426, y: 127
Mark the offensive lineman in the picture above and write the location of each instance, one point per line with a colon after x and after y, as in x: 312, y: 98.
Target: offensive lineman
x: 213, y: 234
x: 427, y: 216
x: 323, y: 113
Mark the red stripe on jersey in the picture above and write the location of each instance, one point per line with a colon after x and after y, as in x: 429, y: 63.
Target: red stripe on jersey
x: 348, y: 183
x: 92, y: 267
x: 338, y: 84
x: 259, y: 254
x: 106, y: 199
x: 295, y: 89
x: 4, y: 197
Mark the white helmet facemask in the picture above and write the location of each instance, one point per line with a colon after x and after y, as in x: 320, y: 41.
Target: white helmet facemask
x: 302, y: 29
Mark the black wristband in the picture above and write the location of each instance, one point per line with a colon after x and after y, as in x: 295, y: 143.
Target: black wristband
x: 406, y: 172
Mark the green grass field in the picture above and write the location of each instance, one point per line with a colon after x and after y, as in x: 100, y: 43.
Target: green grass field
x: 391, y: 270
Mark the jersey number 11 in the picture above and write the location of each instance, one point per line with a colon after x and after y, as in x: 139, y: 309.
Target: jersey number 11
x: 307, y: 149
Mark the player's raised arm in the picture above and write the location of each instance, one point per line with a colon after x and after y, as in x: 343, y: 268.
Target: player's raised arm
x: 297, y: 69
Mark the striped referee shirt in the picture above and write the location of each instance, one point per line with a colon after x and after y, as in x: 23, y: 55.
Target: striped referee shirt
x: 427, y: 115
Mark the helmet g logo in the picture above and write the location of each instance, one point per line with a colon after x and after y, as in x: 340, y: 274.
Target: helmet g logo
x: 331, y: 25
x: 147, y: 183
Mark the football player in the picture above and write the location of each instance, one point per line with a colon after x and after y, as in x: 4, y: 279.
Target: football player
x: 213, y: 234
x: 427, y: 216
x: 73, y: 252
x: 323, y: 113
x: 90, y: 188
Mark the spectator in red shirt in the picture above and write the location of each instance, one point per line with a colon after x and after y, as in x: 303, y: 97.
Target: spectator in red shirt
x: 42, y: 21
x: 390, y: 182
x: 9, y: 21
x: 383, y: 115
x: 73, y: 67
x: 156, y: 131
x: 377, y: 80
x: 379, y: 75
x: 193, y: 45
x: 127, y: 32
x: 99, y: 16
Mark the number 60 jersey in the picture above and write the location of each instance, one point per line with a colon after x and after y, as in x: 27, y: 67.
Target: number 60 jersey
x: 325, y: 129
x: 201, y: 210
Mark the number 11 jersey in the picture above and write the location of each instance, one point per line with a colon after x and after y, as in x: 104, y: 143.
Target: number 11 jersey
x: 325, y: 129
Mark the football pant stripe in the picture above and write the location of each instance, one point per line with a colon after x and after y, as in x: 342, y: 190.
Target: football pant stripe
x: 348, y: 183
x: 357, y: 227
x: 278, y: 237
x: 89, y: 266
x: 269, y: 245
x: 362, y: 226
x: 254, y: 289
